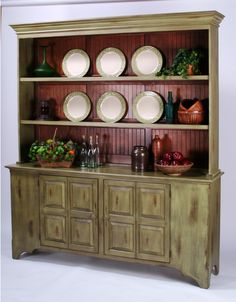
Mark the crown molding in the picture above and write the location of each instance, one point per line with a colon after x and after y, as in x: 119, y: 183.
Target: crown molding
x: 10, y: 3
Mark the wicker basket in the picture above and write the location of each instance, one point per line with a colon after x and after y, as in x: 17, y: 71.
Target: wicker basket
x: 56, y: 164
x: 191, y: 112
x: 185, y: 117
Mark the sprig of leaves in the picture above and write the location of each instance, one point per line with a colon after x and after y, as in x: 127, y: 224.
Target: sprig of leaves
x: 182, y: 60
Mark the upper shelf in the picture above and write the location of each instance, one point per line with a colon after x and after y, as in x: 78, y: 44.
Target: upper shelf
x: 115, y: 125
x: 114, y: 79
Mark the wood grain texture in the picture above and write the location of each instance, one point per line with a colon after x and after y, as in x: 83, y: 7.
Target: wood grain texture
x: 83, y: 214
x: 112, y: 212
x: 190, y: 232
x: 25, y: 213
x: 53, y: 211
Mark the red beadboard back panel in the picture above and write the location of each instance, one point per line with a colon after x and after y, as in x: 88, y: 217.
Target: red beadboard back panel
x: 167, y: 42
x: 119, y: 142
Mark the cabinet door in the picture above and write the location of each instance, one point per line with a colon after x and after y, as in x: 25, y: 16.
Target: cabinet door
x: 53, y: 203
x: 83, y: 213
x: 152, y: 221
x: 119, y: 210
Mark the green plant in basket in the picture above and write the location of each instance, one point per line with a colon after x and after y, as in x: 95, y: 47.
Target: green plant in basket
x: 186, y: 62
x: 52, y: 151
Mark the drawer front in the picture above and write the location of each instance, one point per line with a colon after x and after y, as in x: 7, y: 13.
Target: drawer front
x: 152, y: 222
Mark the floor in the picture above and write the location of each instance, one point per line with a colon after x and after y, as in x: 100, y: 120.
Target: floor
x: 63, y: 277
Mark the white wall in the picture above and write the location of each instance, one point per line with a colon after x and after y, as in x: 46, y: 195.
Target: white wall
x: 14, y: 15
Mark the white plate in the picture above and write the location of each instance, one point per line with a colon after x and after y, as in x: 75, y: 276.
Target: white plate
x: 110, y: 62
x: 77, y: 106
x: 75, y: 63
x: 111, y: 107
x: 146, y: 60
x: 148, y: 107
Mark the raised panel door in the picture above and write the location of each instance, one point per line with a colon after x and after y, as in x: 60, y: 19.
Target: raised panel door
x: 55, y: 229
x: 53, y: 210
x: 83, y: 214
x: 152, y: 221
x: 119, y: 209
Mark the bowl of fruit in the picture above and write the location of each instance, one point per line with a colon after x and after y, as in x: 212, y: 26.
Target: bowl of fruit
x: 173, y: 164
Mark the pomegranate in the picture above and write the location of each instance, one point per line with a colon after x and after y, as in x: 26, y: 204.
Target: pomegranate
x: 167, y: 156
x: 177, y: 155
x: 185, y: 162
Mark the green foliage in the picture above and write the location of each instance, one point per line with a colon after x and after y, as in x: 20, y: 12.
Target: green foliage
x: 182, y: 60
x: 52, y: 151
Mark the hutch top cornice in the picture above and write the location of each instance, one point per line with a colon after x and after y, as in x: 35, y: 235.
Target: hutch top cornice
x: 140, y: 23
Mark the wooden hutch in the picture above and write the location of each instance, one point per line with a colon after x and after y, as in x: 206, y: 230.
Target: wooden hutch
x: 111, y: 212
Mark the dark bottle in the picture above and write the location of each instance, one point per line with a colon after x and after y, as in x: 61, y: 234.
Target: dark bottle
x: 169, y: 109
x: 139, y: 158
x: 83, y: 153
x: 91, y: 154
x: 97, y: 152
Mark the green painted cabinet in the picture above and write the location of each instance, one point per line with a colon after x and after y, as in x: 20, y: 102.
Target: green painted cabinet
x: 111, y: 212
x: 119, y: 218
x: 136, y: 220
x: 83, y: 214
x: 148, y: 218
x: 152, y: 221
x: 53, y: 211
x: 68, y: 213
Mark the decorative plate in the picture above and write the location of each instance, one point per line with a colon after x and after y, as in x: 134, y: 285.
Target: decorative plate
x: 111, y: 107
x: 77, y: 106
x: 146, y: 60
x: 110, y: 62
x: 75, y: 63
x: 148, y: 107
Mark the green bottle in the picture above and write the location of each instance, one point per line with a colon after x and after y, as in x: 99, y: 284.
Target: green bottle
x: 169, y: 109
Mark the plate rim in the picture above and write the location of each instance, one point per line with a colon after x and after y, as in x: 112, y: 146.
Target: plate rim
x: 123, y: 105
x: 138, y: 51
x: 72, y: 51
x: 66, y: 101
x: 98, y: 63
x: 135, y: 103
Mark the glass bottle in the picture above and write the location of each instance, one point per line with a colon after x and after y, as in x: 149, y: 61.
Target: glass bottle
x: 91, y: 154
x: 139, y: 159
x: 83, y: 153
x: 169, y: 108
x: 44, y: 69
x: 97, y: 152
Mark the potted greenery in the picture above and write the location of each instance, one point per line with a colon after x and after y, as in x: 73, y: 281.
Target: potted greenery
x: 186, y: 62
x: 53, y: 153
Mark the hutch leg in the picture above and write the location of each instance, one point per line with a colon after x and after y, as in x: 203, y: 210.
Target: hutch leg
x: 215, y: 202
